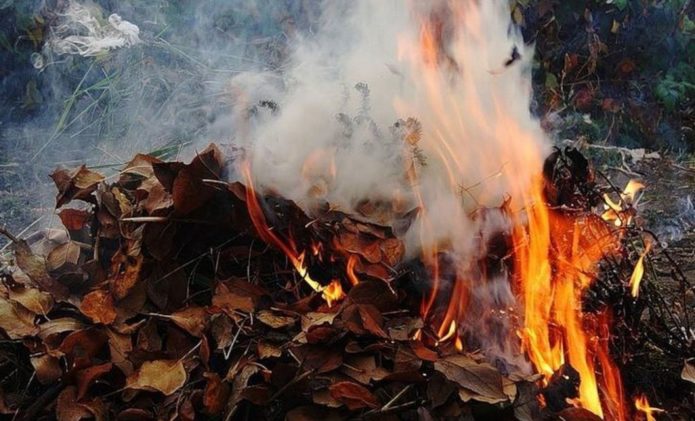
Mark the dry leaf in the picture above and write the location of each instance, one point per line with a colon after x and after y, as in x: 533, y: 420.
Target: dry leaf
x: 125, y: 273
x: 192, y: 319
x: 166, y: 376
x: 215, y: 394
x: 274, y: 320
x: 268, y: 350
x: 316, y: 319
x: 35, y: 268
x: 353, y: 395
x: 47, y: 368
x: 98, y: 305
x: 16, y: 321
x: 67, y: 408
x: 479, y: 381
x: 74, y: 219
x: 32, y: 299
x: 86, y: 377
x: 688, y: 372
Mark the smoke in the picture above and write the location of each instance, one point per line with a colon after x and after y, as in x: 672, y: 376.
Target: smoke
x: 340, y: 133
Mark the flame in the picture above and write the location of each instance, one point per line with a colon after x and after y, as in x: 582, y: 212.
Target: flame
x: 638, y: 271
x: 331, y: 293
x: 555, y: 255
x: 642, y: 405
x: 350, y: 269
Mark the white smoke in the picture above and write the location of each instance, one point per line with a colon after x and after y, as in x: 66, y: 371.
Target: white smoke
x: 479, y: 139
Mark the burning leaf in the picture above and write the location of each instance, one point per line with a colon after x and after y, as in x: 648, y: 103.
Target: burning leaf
x: 353, y: 395
x: 274, y: 320
x: 16, y: 321
x: 166, y: 376
x: 479, y: 381
x: 98, y: 305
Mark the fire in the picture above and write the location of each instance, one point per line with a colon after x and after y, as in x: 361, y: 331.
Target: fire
x: 642, y: 405
x: 619, y: 213
x: 331, y: 293
x: 638, y: 272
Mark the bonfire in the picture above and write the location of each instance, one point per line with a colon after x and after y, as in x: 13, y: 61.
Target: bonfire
x: 478, y: 273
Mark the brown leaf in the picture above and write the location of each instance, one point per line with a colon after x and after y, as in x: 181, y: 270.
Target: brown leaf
x: 125, y: 273
x: 236, y: 295
x: 98, y: 306
x: 16, y: 321
x: 82, y: 346
x: 323, y: 397
x: 274, y: 320
x: 363, y: 368
x: 141, y: 165
x: 32, y: 299
x: 316, y: 319
x: 120, y: 346
x: 192, y: 319
x: 58, y: 326
x: 353, y: 395
x: 77, y: 184
x: 482, y: 380
x: 319, y: 357
x: 64, y: 254
x: 372, y: 319
x: 577, y: 414
x: 67, y: 408
x: 166, y: 376
x: 35, y: 268
x: 86, y: 377
x: 215, y: 395
x: 74, y: 219
x: 376, y: 293
x: 423, y: 352
x: 688, y: 372
x: 47, y: 368
x: 268, y: 350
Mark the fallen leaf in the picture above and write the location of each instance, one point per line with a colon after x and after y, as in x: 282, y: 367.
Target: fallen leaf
x: 316, y: 319
x: 215, y: 394
x: 166, y: 376
x: 688, y: 372
x: 481, y: 379
x: 86, y: 377
x: 268, y: 350
x: 372, y: 319
x: 16, y: 321
x: 67, y: 408
x: 125, y: 273
x: 192, y: 319
x: 47, y: 368
x: 78, y: 184
x: 74, y: 219
x: 35, y: 268
x: 353, y: 395
x: 32, y: 299
x: 98, y: 305
x: 64, y: 254
x: 274, y: 320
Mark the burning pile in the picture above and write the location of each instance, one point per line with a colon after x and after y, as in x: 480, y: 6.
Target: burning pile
x: 449, y: 266
x: 178, y: 293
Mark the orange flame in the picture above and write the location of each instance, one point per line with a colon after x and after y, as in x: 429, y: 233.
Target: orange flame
x: 642, y: 405
x: 330, y: 293
x: 638, y: 272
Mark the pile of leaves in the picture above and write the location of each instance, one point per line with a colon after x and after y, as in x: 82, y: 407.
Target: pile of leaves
x: 163, y: 302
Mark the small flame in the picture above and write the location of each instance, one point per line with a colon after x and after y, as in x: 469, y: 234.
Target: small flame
x: 330, y: 293
x: 350, y: 270
x: 638, y: 272
x: 618, y: 212
x: 642, y: 405
x: 333, y: 292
